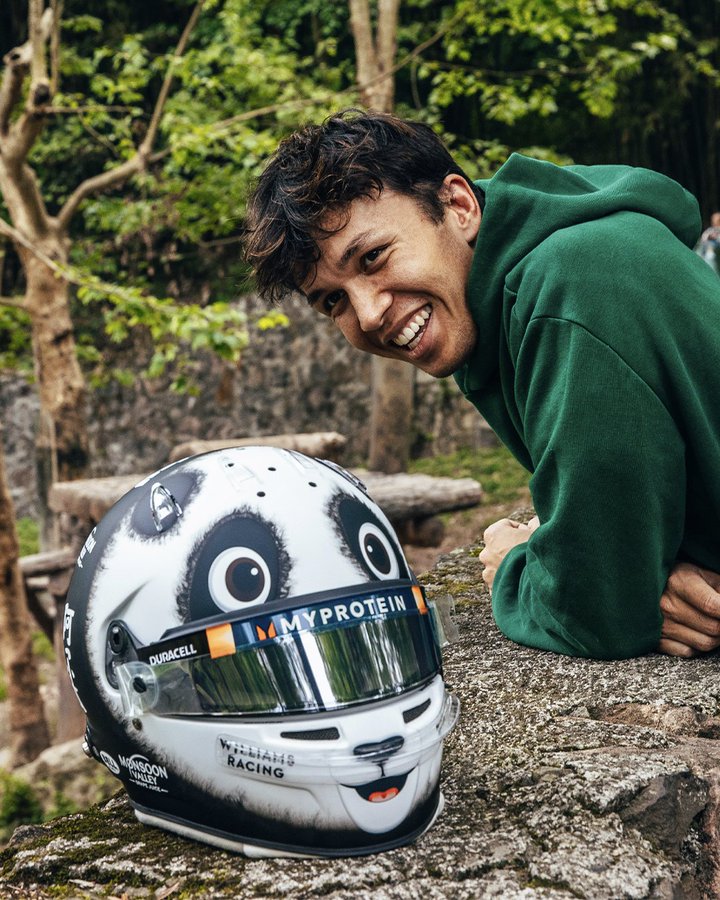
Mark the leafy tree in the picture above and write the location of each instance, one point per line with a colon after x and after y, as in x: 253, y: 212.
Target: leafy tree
x: 185, y: 161
x: 618, y: 81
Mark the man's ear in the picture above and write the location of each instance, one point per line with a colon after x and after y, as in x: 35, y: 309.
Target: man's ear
x: 462, y: 204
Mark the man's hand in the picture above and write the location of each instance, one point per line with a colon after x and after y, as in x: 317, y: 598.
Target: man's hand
x: 500, y: 538
x: 690, y: 605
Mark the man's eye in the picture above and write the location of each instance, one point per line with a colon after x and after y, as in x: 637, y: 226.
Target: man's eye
x: 372, y: 255
x: 330, y: 302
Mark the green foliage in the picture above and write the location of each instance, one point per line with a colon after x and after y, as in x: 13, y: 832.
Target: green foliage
x: 172, y: 231
x: 19, y: 804
x: 502, y: 477
x: 28, y: 532
x: 519, y: 59
x: 15, y: 351
x: 42, y: 647
x: 592, y: 80
x: 177, y: 329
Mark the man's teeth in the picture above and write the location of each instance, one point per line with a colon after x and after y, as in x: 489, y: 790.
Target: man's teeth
x: 413, y: 330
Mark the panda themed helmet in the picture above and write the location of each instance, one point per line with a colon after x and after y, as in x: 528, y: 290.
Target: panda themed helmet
x: 257, y: 663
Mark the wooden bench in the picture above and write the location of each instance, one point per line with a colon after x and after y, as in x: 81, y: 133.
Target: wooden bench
x: 47, y: 578
x: 47, y: 575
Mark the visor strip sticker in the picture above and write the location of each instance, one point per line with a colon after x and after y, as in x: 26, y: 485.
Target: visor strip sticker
x: 220, y: 640
x: 227, y: 638
x: 419, y: 598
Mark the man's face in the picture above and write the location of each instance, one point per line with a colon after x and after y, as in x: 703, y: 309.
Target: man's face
x: 393, y: 281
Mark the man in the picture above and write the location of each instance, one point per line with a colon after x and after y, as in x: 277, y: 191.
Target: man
x: 707, y: 247
x: 574, y: 315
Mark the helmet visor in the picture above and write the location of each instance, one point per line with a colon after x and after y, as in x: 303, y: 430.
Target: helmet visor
x: 321, y: 656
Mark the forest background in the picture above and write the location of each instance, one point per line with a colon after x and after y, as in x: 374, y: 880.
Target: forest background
x: 131, y: 133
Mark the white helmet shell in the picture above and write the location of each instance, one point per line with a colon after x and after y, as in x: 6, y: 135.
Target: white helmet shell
x: 257, y: 663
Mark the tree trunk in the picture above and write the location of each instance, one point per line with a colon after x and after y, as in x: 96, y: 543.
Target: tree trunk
x: 391, y: 415
x: 62, y: 441
x: 391, y: 411
x: 28, y: 728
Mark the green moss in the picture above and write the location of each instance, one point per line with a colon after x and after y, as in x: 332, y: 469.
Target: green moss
x: 541, y: 883
x: 502, y: 477
x: 42, y: 646
x: 28, y: 533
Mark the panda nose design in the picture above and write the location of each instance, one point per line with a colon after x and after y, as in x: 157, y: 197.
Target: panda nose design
x: 380, y: 752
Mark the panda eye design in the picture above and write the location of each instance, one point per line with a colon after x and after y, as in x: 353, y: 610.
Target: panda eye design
x: 239, y: 563
x: 377, y: 552
x: 367, y: 539
x: 239, y: 576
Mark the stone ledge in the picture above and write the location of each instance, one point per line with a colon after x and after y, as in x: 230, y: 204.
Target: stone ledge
x: 564, y: 778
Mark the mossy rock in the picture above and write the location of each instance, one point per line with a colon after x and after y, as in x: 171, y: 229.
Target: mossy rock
x: 564, y: 778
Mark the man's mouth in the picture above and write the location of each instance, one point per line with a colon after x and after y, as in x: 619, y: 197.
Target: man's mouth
x: 410, y: 336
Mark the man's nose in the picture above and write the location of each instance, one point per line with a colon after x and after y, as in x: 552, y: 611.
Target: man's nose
x: 370, y: 306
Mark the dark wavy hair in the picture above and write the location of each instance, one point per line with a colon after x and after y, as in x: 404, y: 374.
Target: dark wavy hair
x: 321, y: 169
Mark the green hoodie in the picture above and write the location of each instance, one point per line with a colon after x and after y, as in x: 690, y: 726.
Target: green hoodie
x: 598, y: 364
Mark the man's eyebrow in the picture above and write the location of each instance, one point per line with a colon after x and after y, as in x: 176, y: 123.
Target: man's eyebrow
x: 354, y: 246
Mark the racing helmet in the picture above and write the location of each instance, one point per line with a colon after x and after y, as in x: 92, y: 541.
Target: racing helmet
x: 256, y: 661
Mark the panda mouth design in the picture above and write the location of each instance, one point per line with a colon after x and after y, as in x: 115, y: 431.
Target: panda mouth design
x: 382, y: 789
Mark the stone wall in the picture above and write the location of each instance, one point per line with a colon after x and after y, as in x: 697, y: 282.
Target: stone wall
x: 301, y: 378
x: 564, y: 778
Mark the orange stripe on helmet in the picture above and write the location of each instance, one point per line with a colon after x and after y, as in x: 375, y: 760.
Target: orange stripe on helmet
x: 220, y: 640
x: 419, y: 598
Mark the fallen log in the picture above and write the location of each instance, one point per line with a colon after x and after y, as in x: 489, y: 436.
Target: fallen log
x: 322, y: 444
x: 405, y: 496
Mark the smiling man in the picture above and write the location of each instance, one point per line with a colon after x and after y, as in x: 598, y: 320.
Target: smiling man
x: 569, y: 306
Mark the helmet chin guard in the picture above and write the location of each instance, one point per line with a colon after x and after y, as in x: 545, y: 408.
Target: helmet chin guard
x: 258, y: 664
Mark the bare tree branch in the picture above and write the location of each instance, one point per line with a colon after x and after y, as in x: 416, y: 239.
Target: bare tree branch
x: 386, y: 47
x: 17, y: 302
x: 19, y: 238
x: 149, y: 140
x: 23, y: 196
x: 37, y: 38
x: 57, y: 10
x: 81, y: 110
x: 142, y: 157
x: 28, y: 56
x: 17, y: 63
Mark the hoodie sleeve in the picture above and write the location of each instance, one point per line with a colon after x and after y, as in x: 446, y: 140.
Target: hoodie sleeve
x: 609, y: 489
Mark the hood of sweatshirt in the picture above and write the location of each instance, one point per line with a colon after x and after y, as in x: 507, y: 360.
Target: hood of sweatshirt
x: 528, y: 200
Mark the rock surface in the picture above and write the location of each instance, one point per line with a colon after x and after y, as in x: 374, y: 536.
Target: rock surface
x: 564, y: 778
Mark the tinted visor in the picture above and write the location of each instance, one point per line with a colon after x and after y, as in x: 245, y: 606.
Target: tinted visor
x: 324, y: 655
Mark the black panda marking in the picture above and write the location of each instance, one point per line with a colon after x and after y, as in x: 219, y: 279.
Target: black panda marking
x: 365, y: 539
x: 240, y: 562
x: 162, y: 502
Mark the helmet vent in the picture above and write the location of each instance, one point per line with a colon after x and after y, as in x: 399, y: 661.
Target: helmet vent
x: 316, y: 734
x: 410, y: 714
